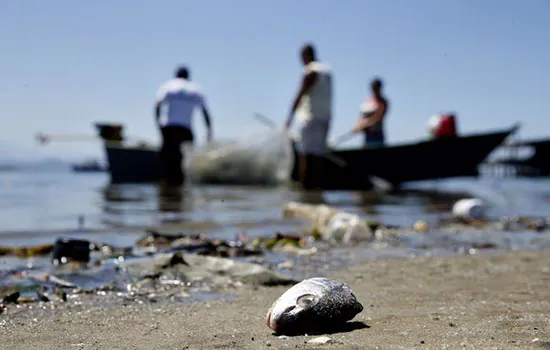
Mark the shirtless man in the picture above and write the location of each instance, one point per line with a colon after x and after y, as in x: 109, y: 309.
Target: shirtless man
x: 371, y: 120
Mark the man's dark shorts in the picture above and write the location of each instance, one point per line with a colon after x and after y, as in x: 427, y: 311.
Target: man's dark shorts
x: 170, y: 153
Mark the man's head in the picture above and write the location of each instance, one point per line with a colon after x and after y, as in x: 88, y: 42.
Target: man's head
x: 376, y: 86
x: 308, y: 53
x: 182, y: 73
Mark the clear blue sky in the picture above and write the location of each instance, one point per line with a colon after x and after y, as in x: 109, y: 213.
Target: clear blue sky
x: 65, y: 64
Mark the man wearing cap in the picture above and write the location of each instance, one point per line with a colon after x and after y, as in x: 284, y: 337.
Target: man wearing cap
x: 181, y: 97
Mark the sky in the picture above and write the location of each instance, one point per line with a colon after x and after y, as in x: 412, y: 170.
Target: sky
x: 66, y: 64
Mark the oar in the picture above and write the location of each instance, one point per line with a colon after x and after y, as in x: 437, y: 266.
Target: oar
x: 265, y: 120
x: 328, y: 155
x: 44, y: 138
x: 343, y: 138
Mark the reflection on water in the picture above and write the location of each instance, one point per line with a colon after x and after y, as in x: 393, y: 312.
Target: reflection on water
x: 311, y: 197
x: 130, y: 204
x: 39, y: 208
x: 171, y: 201
x: 54, y: 202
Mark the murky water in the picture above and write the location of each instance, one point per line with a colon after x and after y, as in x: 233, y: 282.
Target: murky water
x: 37, y: 208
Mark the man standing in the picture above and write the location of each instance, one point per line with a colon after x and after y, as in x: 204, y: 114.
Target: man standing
x: 180, y: 96
x: 313, y: 107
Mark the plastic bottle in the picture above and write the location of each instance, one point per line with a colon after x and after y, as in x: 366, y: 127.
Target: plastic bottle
x: 473, y: 208
x: 344, y: 226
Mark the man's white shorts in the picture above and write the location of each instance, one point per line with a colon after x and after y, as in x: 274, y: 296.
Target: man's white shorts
x: 314, y: 137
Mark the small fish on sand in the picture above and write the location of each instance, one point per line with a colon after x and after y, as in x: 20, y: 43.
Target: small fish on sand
x: 315, y: 304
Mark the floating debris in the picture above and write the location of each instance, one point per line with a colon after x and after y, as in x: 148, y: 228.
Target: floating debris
x: 329, y: 223
x: 153, y: 238
x: 11, y: 298
x: 315, y: 304
x: 26, y: 252
x: 420, y: 226
x: 281, y: 239
x: 194, y: 267
x: 26, y: 297
x: 286, y: 243
x: 345, y: 226
x: 318, y: 215
x: 473, y: 208
x: 196, y: 243
x: 72, y: 250
x: 320, y: 340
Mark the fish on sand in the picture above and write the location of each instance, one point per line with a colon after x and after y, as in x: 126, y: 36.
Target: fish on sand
x: 315, y: 304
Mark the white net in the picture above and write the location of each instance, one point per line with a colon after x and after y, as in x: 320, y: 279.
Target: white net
x: 264, y: 159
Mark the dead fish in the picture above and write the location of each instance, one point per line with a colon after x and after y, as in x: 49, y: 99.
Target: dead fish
x: 315, y: 304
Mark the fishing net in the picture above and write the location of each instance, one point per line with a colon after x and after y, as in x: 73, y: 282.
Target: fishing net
x: 264, y: 159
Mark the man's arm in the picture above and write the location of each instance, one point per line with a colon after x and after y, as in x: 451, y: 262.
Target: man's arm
x: 158, y: 106
x: 207, y: 122
x: 364, y: 123
x: 161, y: 95
x: 307, y: 83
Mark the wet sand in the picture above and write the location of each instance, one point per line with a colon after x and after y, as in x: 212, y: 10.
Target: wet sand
x: 483, y: 302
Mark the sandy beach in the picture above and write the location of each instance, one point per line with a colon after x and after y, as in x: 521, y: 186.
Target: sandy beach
x: 483, y: 302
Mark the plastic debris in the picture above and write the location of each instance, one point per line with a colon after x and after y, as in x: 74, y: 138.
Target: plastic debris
x: 330, y: 223
x: 469, y: 208
x: 320, y: 340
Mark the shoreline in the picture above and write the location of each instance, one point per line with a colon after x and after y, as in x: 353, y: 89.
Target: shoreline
x: 499, y: 300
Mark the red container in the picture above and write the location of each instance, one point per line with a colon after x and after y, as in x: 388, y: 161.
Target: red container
x: 447, y: 126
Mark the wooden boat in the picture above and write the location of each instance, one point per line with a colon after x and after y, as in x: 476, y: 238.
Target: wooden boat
x: 535, y: 165
x: 347, y: 169
x: 425, y: 160
x: 88, y: 166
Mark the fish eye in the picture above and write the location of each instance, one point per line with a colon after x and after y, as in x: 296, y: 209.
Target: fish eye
x: 306, y: 301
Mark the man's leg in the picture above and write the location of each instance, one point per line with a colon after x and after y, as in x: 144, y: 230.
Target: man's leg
x: 320, y: 158
x: 171, y: 156
x: 178, y: 177
x: 317, y: 168
x: 303, y: 167
x: 185, y: 138
x: 311, y: 171
x: 311, y: 164
x: 164, y: 153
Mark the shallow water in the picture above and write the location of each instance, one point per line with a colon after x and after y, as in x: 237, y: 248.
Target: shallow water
x: 38, y: 207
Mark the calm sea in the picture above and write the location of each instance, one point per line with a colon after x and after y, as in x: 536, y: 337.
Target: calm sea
x: 39, y: 206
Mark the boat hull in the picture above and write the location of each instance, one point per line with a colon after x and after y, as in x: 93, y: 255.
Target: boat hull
x: 84, y: 169
x: 133, y: 165
x: 537, y: 165
x: 426, y: 160
x: 350, y: 169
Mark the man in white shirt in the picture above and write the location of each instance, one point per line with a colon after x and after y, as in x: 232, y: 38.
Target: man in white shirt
x: 313, y: 107
x: 181, y: 97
